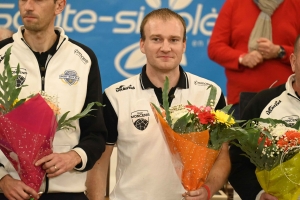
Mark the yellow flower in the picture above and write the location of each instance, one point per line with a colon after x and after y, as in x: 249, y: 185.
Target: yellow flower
x: 223, y: 118
x: 14, y: 103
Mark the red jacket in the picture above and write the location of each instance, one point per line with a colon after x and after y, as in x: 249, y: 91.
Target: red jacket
x: 230, y: 39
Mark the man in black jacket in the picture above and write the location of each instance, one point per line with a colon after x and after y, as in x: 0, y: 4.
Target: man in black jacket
x: 282, y: 102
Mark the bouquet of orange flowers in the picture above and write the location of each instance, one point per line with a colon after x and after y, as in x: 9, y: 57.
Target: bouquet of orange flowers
x: 27, y: 126
x: 194, y: 136
x: 273, y: 147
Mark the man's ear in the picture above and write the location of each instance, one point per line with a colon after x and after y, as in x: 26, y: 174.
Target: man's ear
x: 60, y: 6
x: 293, y: 61
x: 142, y: 43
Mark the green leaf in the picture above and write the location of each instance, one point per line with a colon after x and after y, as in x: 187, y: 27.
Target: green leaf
x: 9, y: 92
x: 181, y: 124
x: 211, y: 101
x: 66, y: 124
x: 296, y: 125
x: 165, y: 97
x: 156, y: 108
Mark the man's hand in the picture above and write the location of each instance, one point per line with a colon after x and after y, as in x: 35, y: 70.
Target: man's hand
x: 267, y: 49
x: 200, y: 194
x: 252, y: 59
x: 59, y: 163
x: 265, y: 196
x: 16, y: 190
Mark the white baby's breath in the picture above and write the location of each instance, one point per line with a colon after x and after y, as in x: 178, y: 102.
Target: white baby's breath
x: 176, y: 112
x: 280, y: 130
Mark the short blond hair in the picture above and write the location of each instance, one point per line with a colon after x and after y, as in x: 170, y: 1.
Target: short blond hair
x: 164, y: 14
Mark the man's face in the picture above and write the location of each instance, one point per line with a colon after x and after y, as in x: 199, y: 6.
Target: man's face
x: 38, y: 15
x: 163, y: 44
x: 295, y: 63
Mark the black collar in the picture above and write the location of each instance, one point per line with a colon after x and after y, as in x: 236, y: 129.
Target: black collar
x: 146, y: 83
x: 52, y: 50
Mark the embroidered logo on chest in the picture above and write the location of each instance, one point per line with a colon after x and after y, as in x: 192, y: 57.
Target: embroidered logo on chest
x: 22, y: 75
x: 70, y: 77
x: 140, y: 119
x: 291, y: 120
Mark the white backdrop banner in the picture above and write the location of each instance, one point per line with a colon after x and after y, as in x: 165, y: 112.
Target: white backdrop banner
x: 111, y: 29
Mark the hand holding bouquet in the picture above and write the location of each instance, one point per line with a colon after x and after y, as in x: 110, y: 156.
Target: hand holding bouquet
x: 273, y: 147
x: 194, y: 136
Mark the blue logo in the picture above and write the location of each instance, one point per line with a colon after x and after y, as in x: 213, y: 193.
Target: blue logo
x: 70, y: 77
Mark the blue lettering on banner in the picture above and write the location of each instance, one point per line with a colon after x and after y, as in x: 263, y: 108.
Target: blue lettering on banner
x: 111, y: 29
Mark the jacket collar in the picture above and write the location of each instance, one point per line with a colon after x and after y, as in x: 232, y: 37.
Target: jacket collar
x: 146, y: 83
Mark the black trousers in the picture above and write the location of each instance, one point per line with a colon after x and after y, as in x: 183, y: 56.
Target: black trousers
x: 57, y: 196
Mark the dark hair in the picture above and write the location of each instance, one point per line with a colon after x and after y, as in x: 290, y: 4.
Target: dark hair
x: 164, y: 14
x: 297, y: 44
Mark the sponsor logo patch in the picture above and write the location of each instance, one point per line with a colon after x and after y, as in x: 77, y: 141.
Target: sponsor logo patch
x: 201, y: 83
x: 272, y: 107
x: 123, y: 87
x: 22, y: 75
x: 140, y: 119
x: 82, y: 58
x: 70, y: 77
x: 291, y: 120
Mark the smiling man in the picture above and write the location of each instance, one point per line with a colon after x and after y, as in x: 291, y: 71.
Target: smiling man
x: 145, y: 169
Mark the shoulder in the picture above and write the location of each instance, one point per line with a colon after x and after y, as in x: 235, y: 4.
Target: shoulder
x: 128, y: 84
x: 81, y: 48
x: 265, y: 96
x: 201, y: 82
x: 6, y: 42
x: 261, y: 100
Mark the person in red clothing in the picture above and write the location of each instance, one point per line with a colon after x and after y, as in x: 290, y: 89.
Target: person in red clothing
x: 253, y: 40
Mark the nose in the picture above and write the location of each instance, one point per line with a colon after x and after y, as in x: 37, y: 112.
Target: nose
x: 165, y: 46
x: 28, y: 5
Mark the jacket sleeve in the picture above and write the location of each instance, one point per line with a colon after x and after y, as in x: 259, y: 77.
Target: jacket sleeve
x: 93, y: 130
x: 219, y: 48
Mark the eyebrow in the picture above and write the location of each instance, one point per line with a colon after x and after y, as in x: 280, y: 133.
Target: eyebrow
x: 159, y: 35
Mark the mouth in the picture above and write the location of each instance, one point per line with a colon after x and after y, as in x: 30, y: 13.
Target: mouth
x: 27, y: 16
x: 165, y: 57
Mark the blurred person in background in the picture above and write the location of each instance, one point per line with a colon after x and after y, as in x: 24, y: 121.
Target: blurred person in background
x: 5, y: 33
x: 286, y: 97
x: 253, y: 40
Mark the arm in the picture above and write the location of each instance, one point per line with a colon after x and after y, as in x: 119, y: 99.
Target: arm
x: 97, y: 176
x: 218, y: 175
x: 93, y: 130
x: 216, y: 178
x: 219, y: 47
